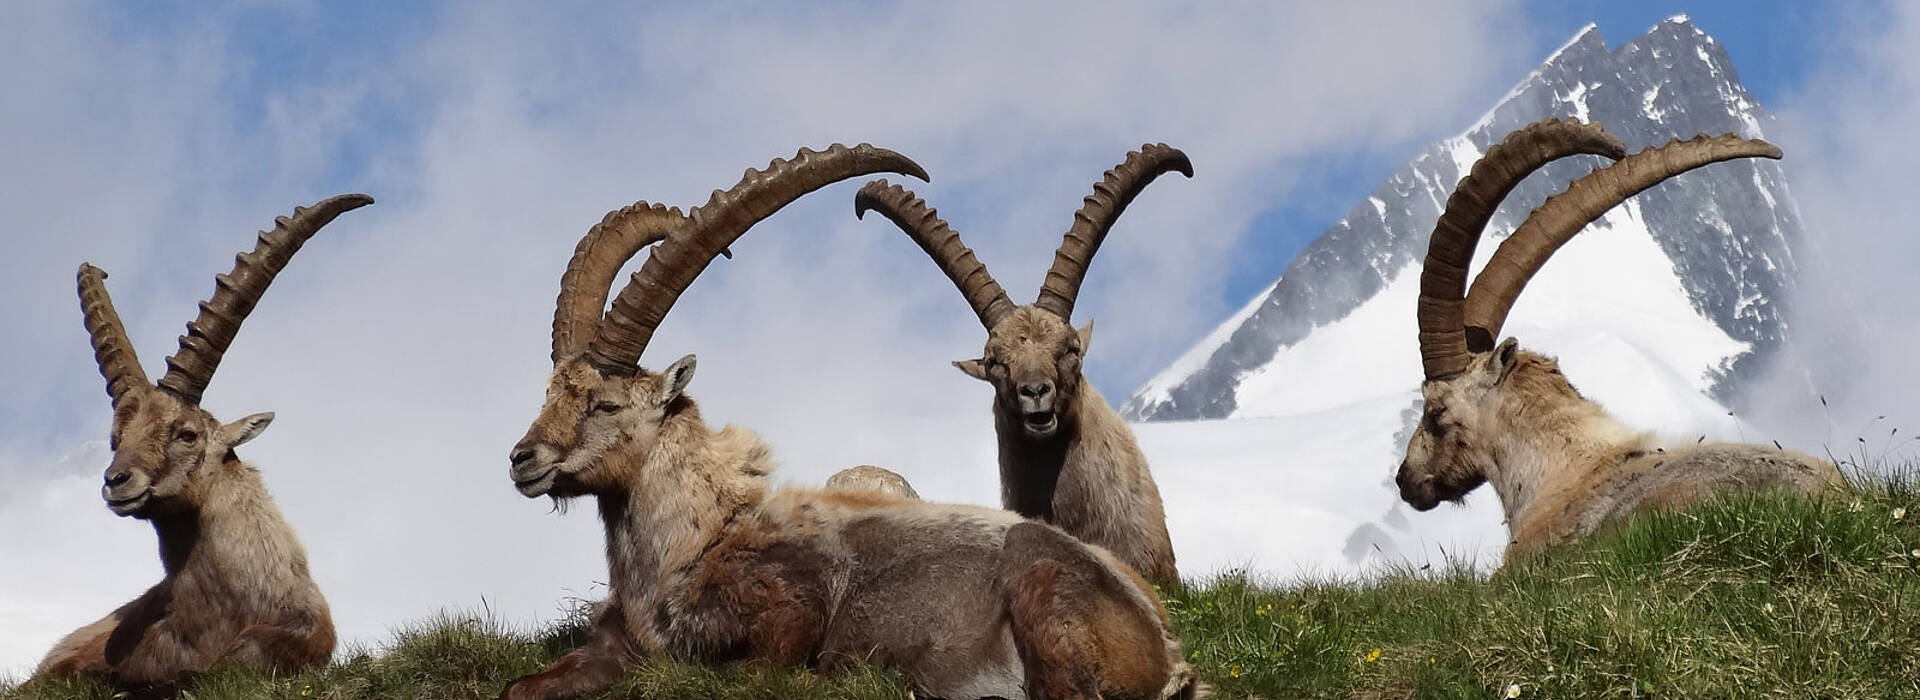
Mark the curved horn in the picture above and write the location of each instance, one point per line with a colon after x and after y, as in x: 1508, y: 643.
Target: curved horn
x: 925, y: 227
x: 1443, y: 277
x: 235, y: 294
x: 112, y: 350
x: 1565, y: 214
x: 596, y: 260
x: 1090, y: 225
x: 710, y: 229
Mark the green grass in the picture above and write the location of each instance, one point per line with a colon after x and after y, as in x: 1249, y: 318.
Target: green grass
x: 1755, y: 596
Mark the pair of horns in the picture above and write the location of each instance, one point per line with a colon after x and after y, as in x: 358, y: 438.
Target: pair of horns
x: 613, y: 341
x: 1062, y: 285
x: 209, y: 335
x: 1454, y: 322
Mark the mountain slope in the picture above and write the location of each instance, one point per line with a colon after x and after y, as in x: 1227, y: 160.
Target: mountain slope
x: 1726, y: 232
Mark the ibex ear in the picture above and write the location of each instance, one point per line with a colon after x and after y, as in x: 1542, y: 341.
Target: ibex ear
x: 238, y: 432
x: 974, y: 368
x: 1086, y: 337
x: 1504, y: 358
x: 674, y: 379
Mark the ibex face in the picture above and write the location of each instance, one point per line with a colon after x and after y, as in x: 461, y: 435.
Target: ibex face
x: 593, y: 425
x: 1450, y: 452
x: 1032, y: 360
x: 164, y: 448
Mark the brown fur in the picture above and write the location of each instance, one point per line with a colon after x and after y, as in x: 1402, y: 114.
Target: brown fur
x: 706, y: 562
x: 236, y: 585
x: 867, y: 477
x: 1561, y: 465
x: 1083, y: 472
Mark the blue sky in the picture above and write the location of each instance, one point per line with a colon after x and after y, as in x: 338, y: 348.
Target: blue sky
x: 406, y: 347
x: 271, y: 47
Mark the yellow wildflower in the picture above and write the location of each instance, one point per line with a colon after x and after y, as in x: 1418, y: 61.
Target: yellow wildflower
x: 1233, y: 671
x: 1513, y: 691
x: 1373, y: 656
x: 1899, y: 513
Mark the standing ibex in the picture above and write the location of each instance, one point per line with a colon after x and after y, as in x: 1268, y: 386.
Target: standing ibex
x: 1560, y: 464
x: 236, y: 586
x: 707, y: 562
x: 1065, y: 456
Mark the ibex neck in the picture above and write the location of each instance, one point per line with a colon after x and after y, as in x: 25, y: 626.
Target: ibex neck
x: 692, y: 485
x: 1549, y: 449
x: 231, y: 524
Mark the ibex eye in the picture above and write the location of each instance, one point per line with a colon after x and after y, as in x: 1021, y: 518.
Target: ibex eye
x: 606, y: 407
x: 187, y: 436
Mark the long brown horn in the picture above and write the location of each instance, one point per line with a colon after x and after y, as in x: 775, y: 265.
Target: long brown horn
x: 235, y: 294
x: 596, y: 260
x: 1564, y: 215
x: 1096, y: 216
x: 710, y: 229
x: 112, y: 350
x: 1443, y: 277
x: 925, y: 227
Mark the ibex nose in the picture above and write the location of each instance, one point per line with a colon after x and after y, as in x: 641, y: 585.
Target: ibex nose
x: 521, y: 453
x: 118, y: 479
x: 1035, y: 390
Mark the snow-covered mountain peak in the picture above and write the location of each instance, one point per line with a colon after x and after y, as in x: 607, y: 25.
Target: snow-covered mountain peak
x: 1724, y: 233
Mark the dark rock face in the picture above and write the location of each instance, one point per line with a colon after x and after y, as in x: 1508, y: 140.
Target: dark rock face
x: 1729, y: 229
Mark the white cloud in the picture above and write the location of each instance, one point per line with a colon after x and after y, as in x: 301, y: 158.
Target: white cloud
x: 406, y: 349
x: 1851, y: 151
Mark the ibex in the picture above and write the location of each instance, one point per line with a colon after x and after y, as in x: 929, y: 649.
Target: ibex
x: 1065, y: 455
x: 236, y: 586
x: 707, y: 562
x: 1560, y: 464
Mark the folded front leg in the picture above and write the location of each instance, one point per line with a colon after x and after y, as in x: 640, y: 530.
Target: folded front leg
x: 609, y: 653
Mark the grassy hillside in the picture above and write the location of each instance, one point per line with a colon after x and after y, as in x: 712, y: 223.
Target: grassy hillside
x: 1748, y: 596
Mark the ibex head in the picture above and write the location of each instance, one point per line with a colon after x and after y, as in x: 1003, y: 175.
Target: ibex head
x: 1479, y: 395
x: 1033, y: 354
x: 603, y: 413
x: 165, y: 447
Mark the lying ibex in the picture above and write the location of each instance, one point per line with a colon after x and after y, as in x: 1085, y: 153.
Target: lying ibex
x: 1065, y: 456
x: 1560, y: 464
x: 236, y: 586
x: 707, y: 562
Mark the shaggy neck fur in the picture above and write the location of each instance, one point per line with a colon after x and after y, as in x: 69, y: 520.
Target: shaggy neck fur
x: 685, y: 491
x: 1549, y: 438
x: 1030, y: 467
x: 229, y: 527
x: 1090, y: 479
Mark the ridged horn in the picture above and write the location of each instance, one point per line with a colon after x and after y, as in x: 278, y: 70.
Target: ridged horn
x: 112, y: 350
x: 1564, y: 215
x: 1095, y: 218
x: 596, y: 261
x: 236, y: 293
x: 924, y: 225
x: 1444, y: 351
x: 710, y: 229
